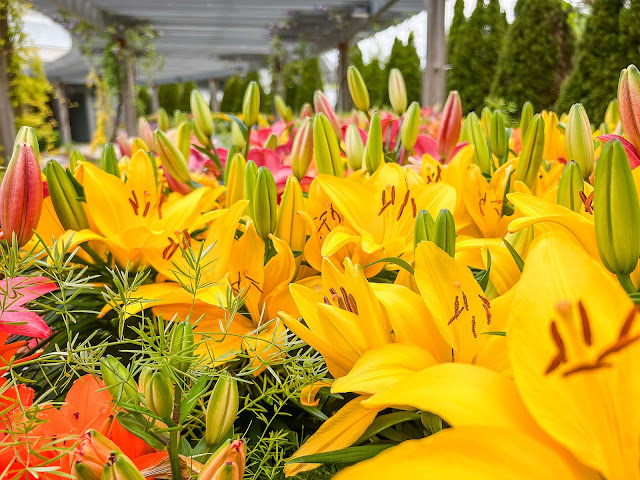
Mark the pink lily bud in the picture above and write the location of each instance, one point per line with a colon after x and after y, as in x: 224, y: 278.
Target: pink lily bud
x: 94, y: 448
x: 228, y: 459
x: 629, y: 103
x: 322, y: 105
x: 306, y: 111
x: 21, y: 195
x: 450, y: 126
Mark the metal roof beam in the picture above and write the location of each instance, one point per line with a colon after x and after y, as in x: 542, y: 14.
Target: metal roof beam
x: 83, y: 10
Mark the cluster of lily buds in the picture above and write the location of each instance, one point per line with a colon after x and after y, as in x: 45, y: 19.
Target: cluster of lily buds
x: 532, y: 152
x: 21, y: 192
x: 64, y: 197
x: 326, y: 148
x: 98, y: 458
x: 227, y: 463
x: 441, y: 231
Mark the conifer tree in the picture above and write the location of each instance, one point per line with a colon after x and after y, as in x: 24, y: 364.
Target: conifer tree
x: 536, y: 54
x: 232, y: 97
x: 405, y: 58
x: 630, y: 33
x: 310, y: 81
x: 597, y: 63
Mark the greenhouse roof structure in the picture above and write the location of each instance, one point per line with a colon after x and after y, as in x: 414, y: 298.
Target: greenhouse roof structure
x: 201, y: 39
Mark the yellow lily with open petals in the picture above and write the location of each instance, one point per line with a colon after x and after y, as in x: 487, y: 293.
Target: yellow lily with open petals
x: 574, y: 344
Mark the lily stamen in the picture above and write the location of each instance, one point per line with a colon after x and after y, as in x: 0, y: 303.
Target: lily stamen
x: 162, y: 199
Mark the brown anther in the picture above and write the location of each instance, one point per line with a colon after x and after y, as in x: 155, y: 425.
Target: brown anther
x: 482, y: 202
x: 333, y: 291
x: 384, y: 197
x: 146, y: 209
x: 587, y: 201
x: 473, y: 327
x: 464, y: 299
x: 326, y: 301
x: 586, y: 367
x: 324, y: 214
x: 586, y: 327
x: 414, y: 207
x: 487, y: 308
x: 456, y: 310
x: 354, y: 305
x: 334, y: 213
x: 619, y: 345
x: 393, y: 195
x: 134, y: 206
x: 345, y: 297
x: 338, y: 299
x: 384, y: 207
x: 628, y: 323
x: 162, y: 199
x: 324, y: 224
x: 561, y: 355
x: 186, y: 239
x: 404, y: 204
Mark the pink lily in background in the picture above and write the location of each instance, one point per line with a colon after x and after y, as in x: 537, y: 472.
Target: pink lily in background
x: 632, y: 153
x: 15, y: 319
x: 263, y: 157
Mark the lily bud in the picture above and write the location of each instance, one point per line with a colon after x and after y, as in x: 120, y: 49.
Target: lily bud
x: 526, y: 117
x: 570, y: 186
x: 289, y: 227
x: 233, y: 151
x: 579, y: 140
x: 612, y: 115
x: 145, y: 132
x: 306, y: 111
x: 183, y: 139
x: 498, y: 137
x: 120, y: 467
x: 322, y: 105
x: 251, y: 104
x: 326, y: 148
x: 397, y: 91
x: 302, y: 149
x: 410, y: 126
x: 616, y: 212
x: 21, y: 196
x: 235, y: 185
x: 222, y: 409
x: 182, y: 346
x: 179, y: 116
x: 86, y: 471
x: 201, y: 137
x: 629, y: 103
x: 532, y: 152
x: 118, y: 380
x: 158, y: 392
x: 481, y: 156
x: 465, y: 134
x: 138, y: 145
x: 64, y: 197
x: 285, y: 112
x: 375, y: 154
x: 237, y: 136
x: 485, y: 122
x: 265, y: 203
x: 201, y: 113
x: 423, y: 229
x: 109, y: 160
x: 163, y: 119
x: 358, y: 89
x: 272, y: 142
x: 250, y: 179
x: 172, y: 158
x: 95, y: 448
x: 230, y: 453
x: 450, y: 126
x: 604, y: 128
x: 75, y: 158
x: 354, y: 147
x: 27, y: 135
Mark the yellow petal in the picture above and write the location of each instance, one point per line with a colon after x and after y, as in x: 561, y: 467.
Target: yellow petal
x: 308, y: 396
x: 478, y: 453
x: 340, y: 431
x: 381, y: 367
x: 246, y: 269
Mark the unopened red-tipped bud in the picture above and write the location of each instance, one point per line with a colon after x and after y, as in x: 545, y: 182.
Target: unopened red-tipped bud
x: 322, y: 105
x: 450, y: 126
x: 629, y: 104
x: 306, y: 111
x: 231, y: 454
x: 21, y: 196
x: 302, y: 150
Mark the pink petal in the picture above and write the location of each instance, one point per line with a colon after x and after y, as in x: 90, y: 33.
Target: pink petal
x: 632, y: 153
x: 20, y: 290
x: 426, y: 146
x: 20, y: 321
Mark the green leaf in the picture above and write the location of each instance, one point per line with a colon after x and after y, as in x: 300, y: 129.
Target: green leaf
x: 516, y: 256
x: 396, y: 261
x: 241, y: 124
x: 191, y: 398
x: 385, y: 421
x: 212, y: 156
x: 482, y: 277
x: 346, y: 455
x: 139, y: 428
x: 77, y: 185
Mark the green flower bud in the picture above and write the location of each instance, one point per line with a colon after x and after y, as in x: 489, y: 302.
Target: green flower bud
x: 184, y: 139
x: 302, y: 149
x: 326, y: 148
x: 284, y: 110
x: 485, y: 122
x: 397, y: 91
x: 444, y: 232
x: 86, y: 471
x: 222, y: 410
x: 498, y: 137
x: 118, y: 380
x: 233, y: 151
x: 481, y: 156
x: 250, y: 179
x: 235, y: 185
x: 158, y: 392
x: 201, y: 113
x: 65, y: 198
x: 172, y: 158
x: 579, y: 140
x: 465, y: 133
x: 272, y: 142
x: 410, y: 126
x: 265, y: 203
x: 358, y: 89
x: 570, y: 186
x: 616, y: 212
x: 120, y: 467
x: 532, y: 152
x: 423, y: 229
x: 525, y: 118
x: 612, y: 115
x: 182, y: 346
x: 109, y: 160
x: 75, y: 158
x: 375, y: 154
x: 251, y: 104
x: 289, y: 227
x: 201, y: 137
x: 237, y: 136
x: 163, y: 120
x: 27, y: 135
x: 354, y: 147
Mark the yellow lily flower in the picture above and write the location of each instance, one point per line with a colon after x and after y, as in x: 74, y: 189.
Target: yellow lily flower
x: 573, y: 344
x: 554, y: 142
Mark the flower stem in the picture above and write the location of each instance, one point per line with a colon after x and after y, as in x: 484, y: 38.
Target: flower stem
x: 174, y: 438
x: 627, y: 284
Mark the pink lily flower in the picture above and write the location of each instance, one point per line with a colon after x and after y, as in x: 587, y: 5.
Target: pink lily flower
x: 263, y: 157
x: 15, y: 319
x: 632, y: 153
